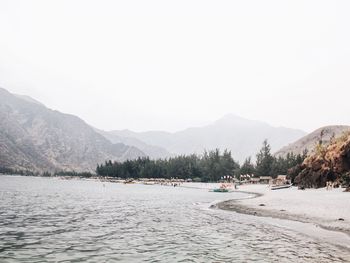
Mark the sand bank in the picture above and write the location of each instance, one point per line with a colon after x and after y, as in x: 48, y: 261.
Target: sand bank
x: 327, y: 209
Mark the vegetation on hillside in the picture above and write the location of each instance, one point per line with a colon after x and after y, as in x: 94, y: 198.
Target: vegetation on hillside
x: 329, y: 162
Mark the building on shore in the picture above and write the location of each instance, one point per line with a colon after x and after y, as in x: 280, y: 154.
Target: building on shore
x: 265, y: 180
x: 255, y: 180
x: 280, y: 180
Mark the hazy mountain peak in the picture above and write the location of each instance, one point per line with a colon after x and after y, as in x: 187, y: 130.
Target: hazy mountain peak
x: 233, y: 119
x: 230, y: 117
x: 242, y: 136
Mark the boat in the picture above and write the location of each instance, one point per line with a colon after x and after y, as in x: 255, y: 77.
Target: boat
x: 224, y: 188
x: 129, y: 181
x: 283, y: 186
x: 149, y: 183
x: 220, y: 190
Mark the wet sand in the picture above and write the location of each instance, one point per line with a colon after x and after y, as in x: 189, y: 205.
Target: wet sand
x: 327, y: 209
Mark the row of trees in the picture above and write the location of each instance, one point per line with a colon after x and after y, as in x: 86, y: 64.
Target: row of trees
x: 211, y: 166
x: 6, y: 170
x: 9, y: 171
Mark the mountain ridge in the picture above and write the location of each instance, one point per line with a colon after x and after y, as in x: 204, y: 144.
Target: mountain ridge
x: 53, y: 129
x: 309, y: 141
x: 154, y: 152
x: 37, y: 138
x: 242, y: 136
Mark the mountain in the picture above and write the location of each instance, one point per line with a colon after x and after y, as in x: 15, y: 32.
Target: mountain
x: 309, y: 141
x: 37, y: 138
x: 154, y: 152
x: 242, y: 136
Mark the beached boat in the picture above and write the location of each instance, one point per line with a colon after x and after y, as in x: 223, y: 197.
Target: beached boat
x: 283, y: 186
x: 224, y: 188
x: 220, y: 190
x: 149, y: 183
x: 129, y: 181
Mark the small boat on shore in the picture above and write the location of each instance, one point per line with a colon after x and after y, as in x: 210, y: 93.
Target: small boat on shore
x: 283, y: 186
x: 149, y: 183
x: 220, y: 190
x: 224, y: 188
x: 129, y: 181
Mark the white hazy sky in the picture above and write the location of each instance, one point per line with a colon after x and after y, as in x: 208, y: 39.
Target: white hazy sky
x: 168, y: 65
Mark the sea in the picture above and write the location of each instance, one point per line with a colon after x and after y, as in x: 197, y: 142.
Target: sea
x: 56, y: 220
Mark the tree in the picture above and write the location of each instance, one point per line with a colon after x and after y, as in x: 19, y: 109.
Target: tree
x: 264, y: 160
x: 247, y: 167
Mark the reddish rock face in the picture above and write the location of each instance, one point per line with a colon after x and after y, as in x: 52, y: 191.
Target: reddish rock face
x: 330, y: 163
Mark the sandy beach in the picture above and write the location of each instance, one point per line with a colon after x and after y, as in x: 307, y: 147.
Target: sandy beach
x: 327, y: 209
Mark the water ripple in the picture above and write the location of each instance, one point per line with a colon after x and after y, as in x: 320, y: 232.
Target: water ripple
x: 48, y: 220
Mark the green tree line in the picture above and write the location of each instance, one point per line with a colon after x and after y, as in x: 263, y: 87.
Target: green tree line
x: 209, y: 167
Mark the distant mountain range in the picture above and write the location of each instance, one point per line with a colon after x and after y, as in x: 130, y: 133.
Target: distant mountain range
x: 309, y: 141
x: 154, y: 152
x: 241, y: 136
x: 36, y: 138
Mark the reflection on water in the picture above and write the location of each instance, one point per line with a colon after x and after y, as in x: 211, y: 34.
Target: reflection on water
x: 52, y: 220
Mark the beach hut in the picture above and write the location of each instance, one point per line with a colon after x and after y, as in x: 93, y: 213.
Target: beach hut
x: 254, y: 180
x: 265, y: 180
x: 280, y: 180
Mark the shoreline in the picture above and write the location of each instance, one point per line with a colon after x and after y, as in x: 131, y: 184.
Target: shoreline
x: 259, y: 207
x: 260, y: 203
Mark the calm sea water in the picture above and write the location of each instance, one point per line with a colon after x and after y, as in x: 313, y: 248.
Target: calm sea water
x: 53, y: 220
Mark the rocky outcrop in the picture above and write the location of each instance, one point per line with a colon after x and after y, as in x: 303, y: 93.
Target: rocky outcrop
x: 327, y: 163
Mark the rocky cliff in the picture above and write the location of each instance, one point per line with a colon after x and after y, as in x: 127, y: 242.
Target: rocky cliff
x: 327, y: 163
x: 37, y: 138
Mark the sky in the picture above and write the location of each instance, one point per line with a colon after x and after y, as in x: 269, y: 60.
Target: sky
x: 168, y: 65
